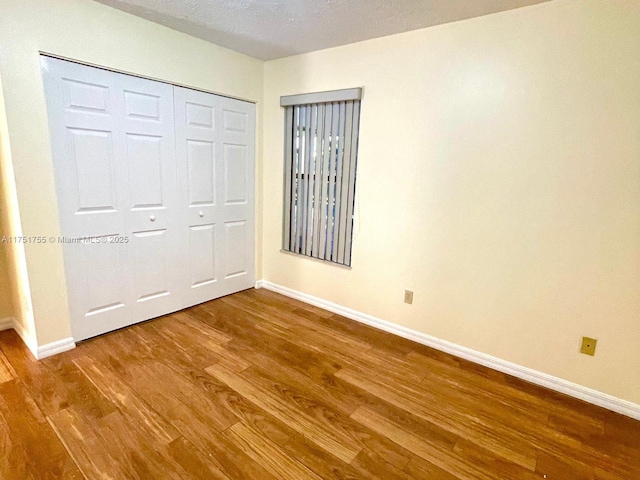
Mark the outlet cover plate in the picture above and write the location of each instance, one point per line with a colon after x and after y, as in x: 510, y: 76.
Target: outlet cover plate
x: 408, y: 297
x: 588, y: 346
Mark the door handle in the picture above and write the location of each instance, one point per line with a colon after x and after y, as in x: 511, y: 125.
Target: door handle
x: 201, y: 214
x: 152, y: 218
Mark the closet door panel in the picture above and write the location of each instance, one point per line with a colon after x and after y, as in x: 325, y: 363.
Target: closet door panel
x: 203, y: 255
x: 199, y: 166
x: 83, y: 107
x: 156, y: 243
x: 237, y: 151
x: 101, y: 283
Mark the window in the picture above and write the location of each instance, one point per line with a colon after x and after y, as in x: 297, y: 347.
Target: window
x: 321, y: 146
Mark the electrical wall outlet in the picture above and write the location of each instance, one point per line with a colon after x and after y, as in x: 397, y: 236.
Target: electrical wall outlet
x: 588, y: 346
x: 408, y: 297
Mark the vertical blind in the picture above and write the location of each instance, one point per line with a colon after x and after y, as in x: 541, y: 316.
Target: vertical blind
x: 321, y: 145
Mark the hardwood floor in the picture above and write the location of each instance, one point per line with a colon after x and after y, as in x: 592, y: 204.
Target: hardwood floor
x: 259, y: 386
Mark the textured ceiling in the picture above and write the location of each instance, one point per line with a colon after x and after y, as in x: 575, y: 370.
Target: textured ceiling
x: 269, y: 29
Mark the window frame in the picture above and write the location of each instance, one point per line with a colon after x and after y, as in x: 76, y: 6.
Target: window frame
x: 320, y: 172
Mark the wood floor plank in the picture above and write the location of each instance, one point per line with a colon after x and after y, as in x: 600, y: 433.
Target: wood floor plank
x: 320, y: 461
x: 344, y: 350
x: 312, y: 381
x: 332, y: 420
x: 194, y: 462
x: 460, y: 376
x: 557, y: 468
x: 294, y: 443
x: 332, y: 440
x: 209, y: 349
x: 622, y: 430
x: 456, y: 383
x: 80, y: 391
x: 460, y: 423
x: 6, y: 370
x: 265, y: 452
x: 314, y: 331
x: 322, y: 386
x: 196, y: 426
x: 433, y: 453
x: 326, y: 405
x: 259, y: 312
x: 110, y: 448
x: 418, y: 467
x: 44, y: 387
x: 167, y: 392
x: 495, y: 465
x: 308, y: 362
x: 131, y: 343
x: 29, y: 448
x: 281, y: 302
x: 260, y: 386
x: 338, y: 324
x: 392, y: 345
x: 127, y: 400
x: 567, y: 432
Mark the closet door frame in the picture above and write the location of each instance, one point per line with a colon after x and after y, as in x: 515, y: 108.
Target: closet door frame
x: 121, y: 313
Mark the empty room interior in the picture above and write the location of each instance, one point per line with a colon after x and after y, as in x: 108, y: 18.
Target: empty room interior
x: 320, y: 239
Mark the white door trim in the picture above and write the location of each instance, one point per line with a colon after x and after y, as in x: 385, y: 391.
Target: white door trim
x: 138, y: 75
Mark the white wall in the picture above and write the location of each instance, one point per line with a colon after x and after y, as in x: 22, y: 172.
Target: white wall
x: 15, y: 296
x: 6, y: 275
x: 92, y: 33
x: 498, y: 178
x: 6, y: 287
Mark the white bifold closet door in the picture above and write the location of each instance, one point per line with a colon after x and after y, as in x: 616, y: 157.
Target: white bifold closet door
x: 214, y: 146
x: 160, y: 179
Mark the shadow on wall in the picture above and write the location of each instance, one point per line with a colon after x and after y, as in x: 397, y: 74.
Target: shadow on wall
x: 14, y: 302
x: 6, y: 291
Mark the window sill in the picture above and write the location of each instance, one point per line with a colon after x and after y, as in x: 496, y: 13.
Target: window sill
x: 326, y: 262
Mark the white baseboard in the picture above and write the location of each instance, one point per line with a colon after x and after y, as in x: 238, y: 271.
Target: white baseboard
x: 54, y: 348
x: 549, y: 381
x: 43, y: 351
x: 6, y: 323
